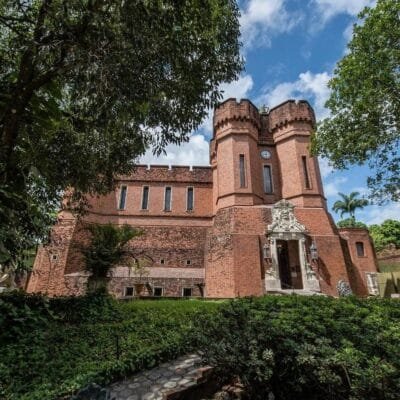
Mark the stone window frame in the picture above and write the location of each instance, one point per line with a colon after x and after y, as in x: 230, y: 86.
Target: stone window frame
x: 162, y: 291
x: 188, y: 262
x: 126, y: 291
x: 187, y: 198
x: 120, y: 197
x: 372, y: 283
x: 162, y: 261
x: 362, y: 247
x: 272, y: 178
x: 170, y: 199
x: 142, y: 198
x: 187, y: 288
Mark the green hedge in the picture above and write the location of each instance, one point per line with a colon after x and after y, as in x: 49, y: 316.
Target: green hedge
x: 307, y: 347
x: 53, y: 347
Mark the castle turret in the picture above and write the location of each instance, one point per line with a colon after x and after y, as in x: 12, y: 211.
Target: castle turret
x: 236, y: 132
x: 291, y: 124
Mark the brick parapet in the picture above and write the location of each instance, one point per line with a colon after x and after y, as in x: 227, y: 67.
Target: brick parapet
x: 166, y: 173
x: 231, y: 110
x: 291, y: 111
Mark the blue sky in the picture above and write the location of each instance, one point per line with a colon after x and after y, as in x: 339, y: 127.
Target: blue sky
x: 290, y: 48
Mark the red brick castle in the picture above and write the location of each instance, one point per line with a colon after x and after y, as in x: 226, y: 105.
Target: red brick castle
x: 254, y: 222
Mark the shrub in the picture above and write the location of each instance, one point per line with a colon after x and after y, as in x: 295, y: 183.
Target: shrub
x: 52, y: 347
x: 307, y: 347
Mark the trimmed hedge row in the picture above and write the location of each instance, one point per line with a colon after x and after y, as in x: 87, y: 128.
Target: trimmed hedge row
x: 307, y: 347
x: 51, y: 347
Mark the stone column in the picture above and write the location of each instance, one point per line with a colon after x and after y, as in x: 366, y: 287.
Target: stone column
x: 272, y: 278
x: 310, y: 281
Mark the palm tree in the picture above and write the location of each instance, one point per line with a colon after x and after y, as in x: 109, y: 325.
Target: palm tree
x: 349, y: 204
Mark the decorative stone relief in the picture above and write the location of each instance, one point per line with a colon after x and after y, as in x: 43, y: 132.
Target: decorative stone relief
x: 344, y: 288
x: 284, y: 220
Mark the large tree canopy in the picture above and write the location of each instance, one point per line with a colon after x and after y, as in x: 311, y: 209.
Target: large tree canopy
x: 87, y: 85
x: 364, y: 126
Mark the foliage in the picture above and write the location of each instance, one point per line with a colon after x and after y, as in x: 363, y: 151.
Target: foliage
x: 385, y: 234
x: 107, y: 247
x: 87, y: 85
x: 351, y: 223
x: 349, y: 204
x: 52, y: 347
x: 310, y: 348
x: 389, y: 267
x: 365, y: 102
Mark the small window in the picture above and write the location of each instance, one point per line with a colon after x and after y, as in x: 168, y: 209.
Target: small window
x: 145, y: 198
x: 242, y: 171
x: 158, y: 291
x: 162, y: 261
x: 190, y: 198
x: 267, y: 179
x: 54, y: 257
x: 187, y: 292
x: 129, y: 291
x: 305, y: 172
x: 167, y: 199
x: 122, y: 198
x: 188, y: 262
x: 360, y: 249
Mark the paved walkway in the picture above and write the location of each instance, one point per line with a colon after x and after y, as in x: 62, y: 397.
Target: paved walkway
x: 162, y: 382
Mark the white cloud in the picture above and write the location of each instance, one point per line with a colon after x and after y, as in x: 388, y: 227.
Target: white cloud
x: 325, y: 168
x: 239, y: 89
x: 333, y: 188
x: 377, y: 214
x: 262, y: 19
x: 327, y: 9
x: 309, y: 86
x: 194, y: 152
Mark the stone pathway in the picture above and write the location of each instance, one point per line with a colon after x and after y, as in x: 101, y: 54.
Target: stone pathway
x: 162, y: 382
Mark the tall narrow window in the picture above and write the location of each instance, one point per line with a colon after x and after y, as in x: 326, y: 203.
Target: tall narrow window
x: 305, y: 171
x: 267, y: 179
x: 167, y: 199
x: 189, y: 200
x: 242, y: 171
x: 360, y: 249
x: 145, y: 198
x: 122, y: 198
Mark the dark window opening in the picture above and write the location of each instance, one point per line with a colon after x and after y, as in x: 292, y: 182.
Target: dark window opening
x: 188, y: 262
x: 267, y: 179
x: 129, y: 291
x: 242, y: 171
x: 187, y: 292
x: 158, y: 291
x: 360, y: 249
x: 190, y: 198
x: 145, y: 198
x: 122, y: 198
x: 54, y: 257
x: 162, y: 261
x: 167, y: 199
x: 305, y: 171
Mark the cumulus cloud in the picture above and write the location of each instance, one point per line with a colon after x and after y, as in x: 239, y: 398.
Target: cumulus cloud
x: 308, y: 86
x: 327, y: 9
x: 262, y: 19
x: 325, y: 168
x: 194, y: 152
x: 377, y: 214
x: 333, y: 188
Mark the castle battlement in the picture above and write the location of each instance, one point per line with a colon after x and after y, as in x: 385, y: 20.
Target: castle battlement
x: 232, y: 110
x: 290, y: 111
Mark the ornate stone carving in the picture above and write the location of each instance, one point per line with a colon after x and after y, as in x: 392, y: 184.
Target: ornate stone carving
x: 284, y: 220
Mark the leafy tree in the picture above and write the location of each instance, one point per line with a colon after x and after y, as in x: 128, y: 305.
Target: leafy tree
x: 87, y: 85
x: 106, y: 249
x: 364, y: 126
x: 351, y: 223
x: 349, y: 204
x: 386, y: 233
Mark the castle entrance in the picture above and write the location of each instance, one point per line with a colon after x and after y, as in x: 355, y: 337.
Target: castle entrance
x: 289, y: 264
